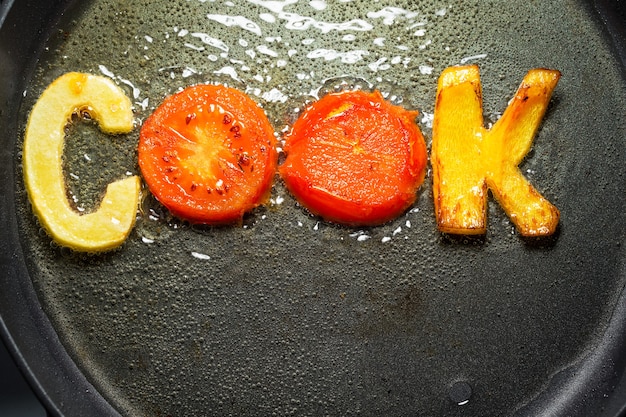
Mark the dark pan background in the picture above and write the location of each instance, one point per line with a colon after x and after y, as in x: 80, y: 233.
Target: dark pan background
x: 18, y: 400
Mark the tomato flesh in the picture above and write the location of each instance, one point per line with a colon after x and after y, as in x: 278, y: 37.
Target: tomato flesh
x: 208, y: 154
x: 354, y: 158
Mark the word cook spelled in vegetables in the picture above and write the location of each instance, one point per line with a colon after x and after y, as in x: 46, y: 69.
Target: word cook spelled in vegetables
x: 209, y: 155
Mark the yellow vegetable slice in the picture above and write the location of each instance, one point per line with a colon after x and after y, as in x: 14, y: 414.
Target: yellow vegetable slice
x: 108, y: 226
x: 467, y: 158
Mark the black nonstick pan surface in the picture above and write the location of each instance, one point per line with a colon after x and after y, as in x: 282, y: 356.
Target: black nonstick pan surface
x: 287, y: 314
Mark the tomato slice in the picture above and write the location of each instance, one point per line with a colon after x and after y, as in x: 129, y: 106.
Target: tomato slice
x: 354, y: 158
x: 208, y: 154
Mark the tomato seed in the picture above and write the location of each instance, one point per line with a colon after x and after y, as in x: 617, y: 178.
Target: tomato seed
x: 243, y: 160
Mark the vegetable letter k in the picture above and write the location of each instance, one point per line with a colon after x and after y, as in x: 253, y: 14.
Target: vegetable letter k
x: 467, y: 158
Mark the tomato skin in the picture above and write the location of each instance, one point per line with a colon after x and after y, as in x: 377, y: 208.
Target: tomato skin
x: 355, y: 159
x: 208, y: 154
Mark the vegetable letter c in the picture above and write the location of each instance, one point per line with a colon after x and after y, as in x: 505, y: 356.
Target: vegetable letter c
x: 108, y: 226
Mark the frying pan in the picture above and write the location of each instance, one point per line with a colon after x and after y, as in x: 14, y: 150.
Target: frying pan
x: 287, y: 314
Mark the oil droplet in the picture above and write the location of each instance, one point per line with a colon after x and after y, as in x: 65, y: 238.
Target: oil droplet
x: 201, y: 256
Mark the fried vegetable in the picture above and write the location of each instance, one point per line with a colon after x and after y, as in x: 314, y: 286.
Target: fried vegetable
x: 354, y: 158
x: 109, y: 225
x: 467, y: 159
x: 208, y: 154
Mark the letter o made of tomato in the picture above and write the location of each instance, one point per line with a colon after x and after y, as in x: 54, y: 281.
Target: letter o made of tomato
x: 353, y: 158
